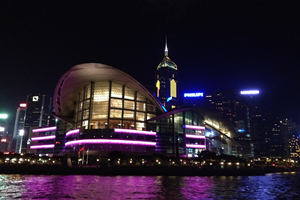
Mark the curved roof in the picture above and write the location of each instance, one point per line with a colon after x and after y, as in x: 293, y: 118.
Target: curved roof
x: 167, y: 62
x: 73, y: 81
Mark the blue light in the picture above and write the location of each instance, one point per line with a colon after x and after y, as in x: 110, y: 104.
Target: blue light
x: 164, y: 108
x: 209, y: 134
x: 169, y: 99
x: 193, y: 94
x: 241, y: 130
x: 249, y: 92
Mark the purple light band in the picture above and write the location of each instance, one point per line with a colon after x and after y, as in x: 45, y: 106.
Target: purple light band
x: 194, y: 127
x: 109, y: 141
x: 50, y: 137
x: 120, y: 130
x: 53, y: 128
x: 45, y: 146
x: 72, y: 132
x: 195, y: 136
x: 196, y: 146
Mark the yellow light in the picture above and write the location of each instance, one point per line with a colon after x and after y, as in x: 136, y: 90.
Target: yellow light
x: 173, y: 87
x: 158, y: 87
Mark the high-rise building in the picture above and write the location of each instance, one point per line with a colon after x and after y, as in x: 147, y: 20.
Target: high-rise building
x: 4, y: 136
x: 246, y: 116
x: 34, y: 113
x: 278, y: 132
x: 18, y: 127
x: 294, y: 146
x: 166, y: 81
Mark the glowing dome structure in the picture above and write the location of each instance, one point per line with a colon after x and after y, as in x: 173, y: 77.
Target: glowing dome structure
x: 167, y: 62
x: 82, y: 75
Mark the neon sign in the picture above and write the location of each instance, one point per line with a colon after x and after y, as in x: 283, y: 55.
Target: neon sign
x: 193, y: 94
x: 249, y: 92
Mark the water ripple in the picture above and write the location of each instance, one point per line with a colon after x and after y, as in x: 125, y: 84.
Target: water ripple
x: 269, y: 187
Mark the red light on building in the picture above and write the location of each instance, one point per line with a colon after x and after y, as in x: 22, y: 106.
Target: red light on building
x: 3, y: 140
x: 23, y: 105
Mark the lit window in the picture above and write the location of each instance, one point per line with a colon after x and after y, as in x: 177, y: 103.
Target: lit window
x: 140, y: 125
x: 141, y: 106
x: 129, y: 105
x: 140, y: 116
x: 116, y: 90
x: 114, y: 113
x: 129, y: 93
x: 128, y: 114
x: 116, y: 103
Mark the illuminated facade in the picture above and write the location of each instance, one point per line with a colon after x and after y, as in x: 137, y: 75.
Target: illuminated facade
x: 19, y: 125
x: 108, y: 105
x: 105, y: 110
x: 186, y: 132
x: 4, y: 137
x: 166, y: 81
x: 42, y: 140
x: 33, y: 113
x: 102, y: 110
x: 245, y: 118
x: 294, y: 147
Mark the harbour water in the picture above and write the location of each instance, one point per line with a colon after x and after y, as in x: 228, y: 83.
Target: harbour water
x: 270, y: 186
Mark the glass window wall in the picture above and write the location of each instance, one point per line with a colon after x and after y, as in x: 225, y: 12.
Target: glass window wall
x: 107, y: 104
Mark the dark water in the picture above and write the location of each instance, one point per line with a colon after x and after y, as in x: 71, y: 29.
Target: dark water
x: 271, y: 186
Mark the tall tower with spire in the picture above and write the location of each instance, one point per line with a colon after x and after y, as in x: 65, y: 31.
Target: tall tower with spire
x: 166, y: 81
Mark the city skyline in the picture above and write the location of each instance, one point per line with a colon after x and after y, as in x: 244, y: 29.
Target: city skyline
x: 148, y: 99
x: 212, y: 53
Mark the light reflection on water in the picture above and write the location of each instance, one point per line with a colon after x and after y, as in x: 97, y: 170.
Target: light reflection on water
x: 271, y: 186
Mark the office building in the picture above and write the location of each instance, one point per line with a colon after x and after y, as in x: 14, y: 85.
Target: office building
x: 166, y: 81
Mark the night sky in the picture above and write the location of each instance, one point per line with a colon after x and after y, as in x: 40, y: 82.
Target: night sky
x: 217, y: 45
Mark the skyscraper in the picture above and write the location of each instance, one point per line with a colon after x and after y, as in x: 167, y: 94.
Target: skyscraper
x: 166, y: 81
x: 245, y: 115
x: 294, y: 146
x: 36, y: 112
x: 3, y: 132
x: 18, y: 126
x: 278, y: 132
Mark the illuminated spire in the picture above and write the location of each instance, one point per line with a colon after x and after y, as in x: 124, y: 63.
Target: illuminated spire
x: 166, y: 47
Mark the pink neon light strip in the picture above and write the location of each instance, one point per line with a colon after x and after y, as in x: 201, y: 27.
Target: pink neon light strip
x: 196, y: 146
x: 72, y: 132
x: 109, y: 141
x: 194, y: 127
x: 195, y: 136
x: 50, y: 137
x: 45, y: 146
x: 119, y: 130
x: 53, y: 128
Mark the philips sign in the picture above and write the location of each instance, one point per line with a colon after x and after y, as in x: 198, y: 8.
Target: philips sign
x: 194, y: 94
x: 249, y: 92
